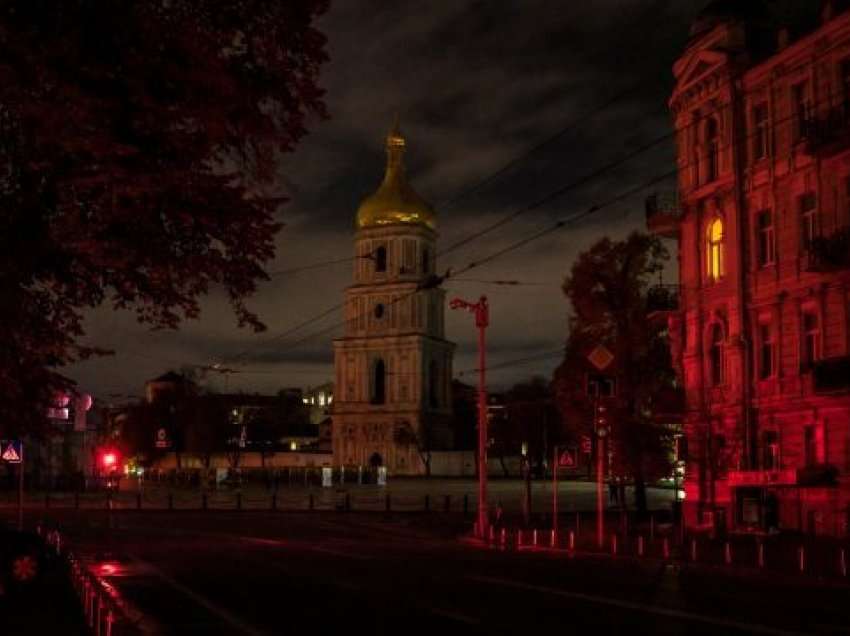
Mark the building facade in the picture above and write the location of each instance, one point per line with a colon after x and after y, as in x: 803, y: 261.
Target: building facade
x: 761, y: 107
x: 393, y: 365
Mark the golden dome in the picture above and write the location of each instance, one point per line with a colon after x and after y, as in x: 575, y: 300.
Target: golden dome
x: 395, y: 200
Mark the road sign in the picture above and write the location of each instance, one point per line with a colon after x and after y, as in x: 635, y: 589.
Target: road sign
x: 11, y: 451
x: 162, y: 439
x: 601, y: 357
x: 586, y: 445
x: 567, y: 458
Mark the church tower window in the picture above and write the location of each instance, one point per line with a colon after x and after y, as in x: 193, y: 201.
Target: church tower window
x: 381, y: 259
x: 714, y: 250
x: 379, y: 382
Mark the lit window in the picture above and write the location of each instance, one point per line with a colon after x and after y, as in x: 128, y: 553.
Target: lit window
x: 293, y: 446
x: 715, y: 250
x: 305, y: 400
x: 808, y: 220
x: 766, y: 242
x: 761, y: 130
x: 321, y: 399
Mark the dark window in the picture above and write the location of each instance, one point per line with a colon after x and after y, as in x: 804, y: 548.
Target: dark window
x: 716, y: 355
x: 379, y: 384
x: 771, y: 451
x: 810, y: 445
x: 379, y: 311
x: 800, y: 104
x: 811, y: 339
x: 767, y: 348
x: 808, y: 204
x: 712, y: 144
x: 761, y: 132
x: 426, y: 261
x: 381, y: 259
x: 766, y: 241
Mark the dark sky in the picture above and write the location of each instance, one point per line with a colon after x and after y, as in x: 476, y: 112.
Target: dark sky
x: 476, y: 84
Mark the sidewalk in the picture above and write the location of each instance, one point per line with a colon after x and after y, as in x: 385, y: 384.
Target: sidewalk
x: 51, y: 609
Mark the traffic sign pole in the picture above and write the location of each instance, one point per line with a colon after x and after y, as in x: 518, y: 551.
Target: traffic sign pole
x: 555, y: 493
x: 600, y: 493
x: 21, y: 491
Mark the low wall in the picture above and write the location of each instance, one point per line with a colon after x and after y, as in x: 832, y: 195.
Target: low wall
x: 248, y: 459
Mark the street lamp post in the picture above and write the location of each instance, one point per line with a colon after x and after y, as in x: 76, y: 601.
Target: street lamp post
x: 482, y: 320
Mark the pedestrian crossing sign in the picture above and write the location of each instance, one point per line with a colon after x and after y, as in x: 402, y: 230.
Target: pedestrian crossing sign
x: 10, y: 451
x: 567, y: 458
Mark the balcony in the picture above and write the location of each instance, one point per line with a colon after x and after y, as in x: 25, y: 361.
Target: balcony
x: 827, y: 134
x: 663, y: 214
x: 830, y: 253
x: 831, y: 375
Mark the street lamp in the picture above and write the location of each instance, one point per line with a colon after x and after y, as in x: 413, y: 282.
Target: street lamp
x: 482, y: 320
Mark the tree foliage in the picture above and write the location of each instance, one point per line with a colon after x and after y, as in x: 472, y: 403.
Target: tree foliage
x: 608, y: 289
x: 139, y: 148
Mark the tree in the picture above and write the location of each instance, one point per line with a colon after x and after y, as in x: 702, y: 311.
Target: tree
x: 139, y: 147
x: 608, y: 288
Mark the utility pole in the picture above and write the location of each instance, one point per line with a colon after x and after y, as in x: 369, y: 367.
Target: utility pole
x: 482, y: 321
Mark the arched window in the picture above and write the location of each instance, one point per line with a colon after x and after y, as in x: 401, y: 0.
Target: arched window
x: 379, y: 382
x: 716, y: 355
x: 712, y: 149
x: 426, y: 261
x: 433, y: 384
x: 381, y: 259
x: 714, y: 250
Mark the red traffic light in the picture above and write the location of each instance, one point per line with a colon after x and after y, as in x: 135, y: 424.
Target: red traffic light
x: 109, y: 459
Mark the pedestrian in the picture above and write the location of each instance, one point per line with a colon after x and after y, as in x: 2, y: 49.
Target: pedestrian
x: 612, y: 491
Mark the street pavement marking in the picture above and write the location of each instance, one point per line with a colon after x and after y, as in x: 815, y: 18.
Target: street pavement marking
x: 638, y: 607
x: 204, y: 602
x: 456, y: 616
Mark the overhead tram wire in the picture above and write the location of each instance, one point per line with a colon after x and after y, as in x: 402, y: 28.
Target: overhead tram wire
x: 558, y: 225
x: 597, y: 174
x: 507, y: 364
x: 632, y: 155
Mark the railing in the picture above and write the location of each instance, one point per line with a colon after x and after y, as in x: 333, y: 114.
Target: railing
x: 662, y: 298
x: 663, y: 213
x: 825, y: 133
x: 831, y: 375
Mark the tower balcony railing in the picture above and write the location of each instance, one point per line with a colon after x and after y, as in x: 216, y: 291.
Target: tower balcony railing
x: 827, y: 133
x: 663, y: 214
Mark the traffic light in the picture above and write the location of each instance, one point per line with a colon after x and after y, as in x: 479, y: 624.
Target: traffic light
x: 108, y: 460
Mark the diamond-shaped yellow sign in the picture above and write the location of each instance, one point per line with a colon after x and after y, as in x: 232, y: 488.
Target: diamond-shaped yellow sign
x: 601, y: 357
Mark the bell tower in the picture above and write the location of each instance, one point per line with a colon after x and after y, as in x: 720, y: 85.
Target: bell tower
x: 393, y: 365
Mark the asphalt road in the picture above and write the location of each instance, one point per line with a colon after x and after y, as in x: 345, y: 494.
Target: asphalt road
x: 264, y: 573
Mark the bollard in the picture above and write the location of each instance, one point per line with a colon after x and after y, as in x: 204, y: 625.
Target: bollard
x: 801, y: 553
x: 239, y: 501
x: 534, y: 538
x: 761, y: 554
x: 465, y: 504
x: 572, y: 540
x: 387, y: 503
x: 519, y: 538
x: 693, y: 549
x: 170, y: 501
x: 727, y: 553
x: 312, y: 504
x: 109, y: 501
x: 503, y: 539
x: 138, y: 501
x: 274, y: 500
x: 614, y: 544
x: 427, y: 503
x: 109, y: 620
x: 492, y: 534
x: 640, y: 546
x: 553, y: 541
x: 203, y: 501
x: 447, y: 503
x: 842, y: 562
